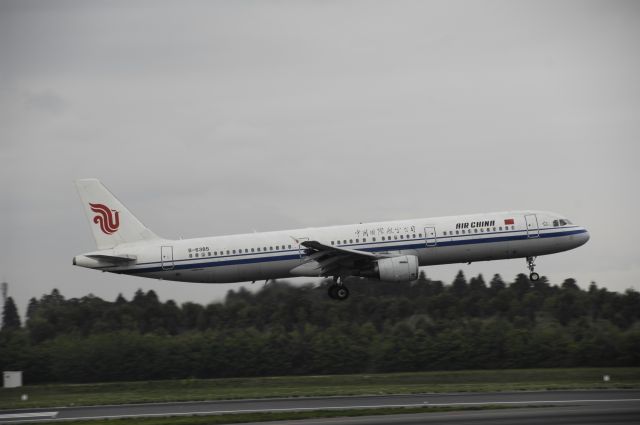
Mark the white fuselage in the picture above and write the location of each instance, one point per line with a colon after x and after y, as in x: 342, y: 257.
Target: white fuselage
x: 272, y: 255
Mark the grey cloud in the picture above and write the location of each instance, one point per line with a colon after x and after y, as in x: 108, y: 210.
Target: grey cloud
x: 224, y: 117
x: 46, y: 101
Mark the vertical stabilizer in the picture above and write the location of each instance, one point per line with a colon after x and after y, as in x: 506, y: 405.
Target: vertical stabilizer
x: 111, y: 222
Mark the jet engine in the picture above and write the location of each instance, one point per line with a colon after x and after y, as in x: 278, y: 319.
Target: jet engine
x: 395, y: 269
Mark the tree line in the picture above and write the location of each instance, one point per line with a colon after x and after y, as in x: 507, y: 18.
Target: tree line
x: 283, y: 330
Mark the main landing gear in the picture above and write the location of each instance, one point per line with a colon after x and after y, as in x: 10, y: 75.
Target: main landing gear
x: 337, y: 290
x: 531, y: 265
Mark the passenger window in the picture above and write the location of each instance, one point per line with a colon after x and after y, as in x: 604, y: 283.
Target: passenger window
x: 482, y: 229
x: 289, y: 246
x: 383, y: 238
x: 350, y: 240
x: 364, y: 239
x: 494, y: 229
x: 374, y: 239
x: 265, y: 249
x: 457, y: 232
x: 331, y: 243
x: 420, y: 235
x: 190, y: 255
x: 401, y: 237
x: 475, y: 230
x: 357, y: 240
x: 258, y: 249
x: 414, y: 236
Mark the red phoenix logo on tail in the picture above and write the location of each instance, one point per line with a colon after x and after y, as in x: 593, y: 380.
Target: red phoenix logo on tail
x: 109, y: 220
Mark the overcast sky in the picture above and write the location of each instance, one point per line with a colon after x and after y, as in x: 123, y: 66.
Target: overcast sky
x: 219, y: 117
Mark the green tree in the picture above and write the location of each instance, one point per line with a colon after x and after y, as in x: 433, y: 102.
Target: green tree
x: 10, y: 316
x: 282, y: 329
x: 497, y: 284
x: 459, y: 285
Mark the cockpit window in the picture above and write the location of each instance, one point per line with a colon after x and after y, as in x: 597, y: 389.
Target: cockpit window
x: 563, y: 222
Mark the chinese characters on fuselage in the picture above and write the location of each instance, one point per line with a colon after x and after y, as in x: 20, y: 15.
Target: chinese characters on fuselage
x: 379, y: 231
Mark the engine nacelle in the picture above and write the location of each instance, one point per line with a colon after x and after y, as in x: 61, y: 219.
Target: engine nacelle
x: 397, y: 269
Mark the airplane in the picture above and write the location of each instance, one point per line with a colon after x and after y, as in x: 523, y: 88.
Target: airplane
x: 390, y: 251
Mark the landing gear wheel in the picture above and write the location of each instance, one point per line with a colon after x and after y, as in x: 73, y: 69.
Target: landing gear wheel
x: 342, y: 293
x: 338, y: 292
x: 531, y: 265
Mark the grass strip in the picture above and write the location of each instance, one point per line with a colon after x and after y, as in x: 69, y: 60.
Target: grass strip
x: 66, y: 395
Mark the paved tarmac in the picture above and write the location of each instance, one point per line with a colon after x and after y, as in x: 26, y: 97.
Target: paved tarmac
x: 589, y: 406
x: 620, y: 413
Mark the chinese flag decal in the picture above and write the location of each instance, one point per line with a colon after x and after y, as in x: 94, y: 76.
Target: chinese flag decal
x: 508, y: 221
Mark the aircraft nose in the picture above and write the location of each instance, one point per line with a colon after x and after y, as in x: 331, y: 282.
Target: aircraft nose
x: 584, y: 237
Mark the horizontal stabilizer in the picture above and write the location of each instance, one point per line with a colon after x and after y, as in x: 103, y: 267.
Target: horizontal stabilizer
x: 114, y: 258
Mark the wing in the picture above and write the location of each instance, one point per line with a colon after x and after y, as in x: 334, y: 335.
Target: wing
x: 328, y: 260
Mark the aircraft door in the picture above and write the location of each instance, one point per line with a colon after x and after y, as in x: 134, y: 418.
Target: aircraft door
x: 532, y: 225
x: 430, y: 238
x: 301, y: 249
x: 166, y: 257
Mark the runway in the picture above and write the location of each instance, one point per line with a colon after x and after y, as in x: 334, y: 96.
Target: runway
x: 593, y: 406
x: 565, y: 415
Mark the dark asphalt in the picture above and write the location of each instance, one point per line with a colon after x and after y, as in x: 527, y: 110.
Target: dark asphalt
x: 573, y: 406
x: 564, y: 415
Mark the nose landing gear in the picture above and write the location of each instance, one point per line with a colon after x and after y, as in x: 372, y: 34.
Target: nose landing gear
x: 531, y: 265
x: 337, y: 290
